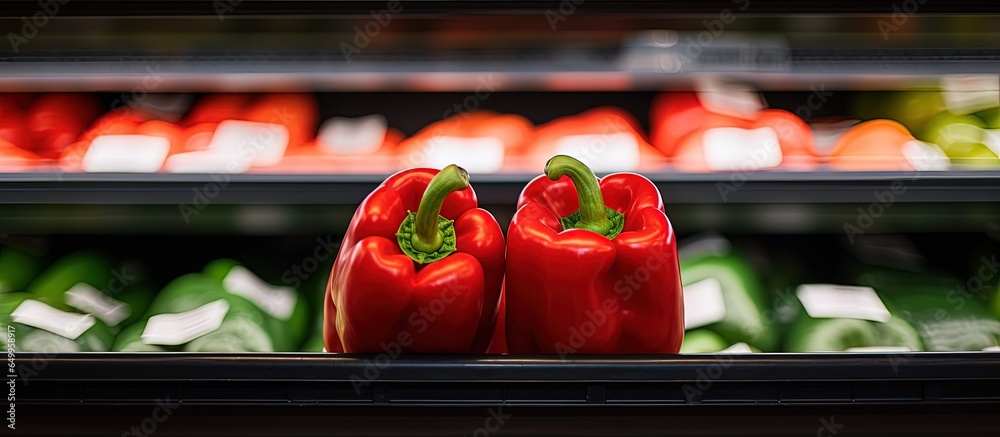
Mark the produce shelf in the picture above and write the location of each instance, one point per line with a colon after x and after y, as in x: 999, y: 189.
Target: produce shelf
x: 421, y: 395
x: 593, y: 69
x: 340, y: 189
x: 348, y: 7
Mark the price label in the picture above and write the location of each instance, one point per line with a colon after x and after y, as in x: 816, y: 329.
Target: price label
x: 180, y: 328
x: 965, y: 94
x: 991, y: 138
x: 90, y: 300
x: 738, y: 348
x: 841, y: 301
x: 703, y: 303
x: 279, y: 302
x: 126, y: 153
x: 262, y: 144
x: 732, y: 149
x: 925, y: 156
x: 474, y: 154
x: 353, y: 136
x: 732, y: 99
x: 42, y: 316
x: 602, y: 153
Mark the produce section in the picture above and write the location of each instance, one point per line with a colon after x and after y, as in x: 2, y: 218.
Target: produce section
x: 501, y: 217
x: 721, y: 128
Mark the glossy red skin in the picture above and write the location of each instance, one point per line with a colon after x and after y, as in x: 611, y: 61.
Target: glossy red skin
x: 499, y: 343
x: 559, y: 281
x: 376, y: 293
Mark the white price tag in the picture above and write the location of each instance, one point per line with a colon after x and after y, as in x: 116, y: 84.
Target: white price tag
x: 88, y: 299
x: 841, y: 301
x: 474, y: 154
x: 206, y: 161
x: 732, y: 99
x: 602, y: 153
x: 279, y: 302
x: 991, y: 138
x: 703, y: 303
x: 708, y: 245
x: 180, y: 328
x: 875, y: 349
x: 925, y: 156
x: 262, y: 144
x: 42, y: 316
x: 826, y: 135
x: 965, y: 94
x: 353, y: 136
x: 738, y: 348
x: 732, y: 149
x: 126, y: 153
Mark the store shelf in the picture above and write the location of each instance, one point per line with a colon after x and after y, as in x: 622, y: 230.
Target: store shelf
x: 423, y: 395
x: 349, y: 7
x: 768, y: 69
x: 122, y: 378
x: 339, y: 189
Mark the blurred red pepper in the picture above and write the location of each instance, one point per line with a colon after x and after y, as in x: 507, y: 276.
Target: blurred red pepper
x: 12, y: 126
x: 423, y: 281
x: 297, y: 112
x: 214, y: 108
x: 606, y: 138
x: 880, y: 145
x: 55, y: 121
x: 680, y: 122
x: 585, y: 276
x: 14, y: 159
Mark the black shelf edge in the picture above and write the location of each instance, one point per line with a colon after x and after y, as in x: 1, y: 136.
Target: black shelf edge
x: 236, y: 8
x: 122, y: 73
x: 518, y: 381
x: 677, y: 188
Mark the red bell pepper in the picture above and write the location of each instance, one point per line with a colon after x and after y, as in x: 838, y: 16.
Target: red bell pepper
x: 419, y: 270
x: 585, y: 276
x: 608, y: 139
x: 12, y: 127
x: 480, y: 141
x: 680, y: 124
x: 55, y: 121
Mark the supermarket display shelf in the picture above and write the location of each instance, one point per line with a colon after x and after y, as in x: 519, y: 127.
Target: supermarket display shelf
x: 770, y: 187
x: 235, y: 8
x: 766, y: 68
x: 429, y: 380
x: 321, y: 394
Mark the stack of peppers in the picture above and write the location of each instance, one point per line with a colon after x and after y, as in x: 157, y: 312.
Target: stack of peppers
x: 590, y: 266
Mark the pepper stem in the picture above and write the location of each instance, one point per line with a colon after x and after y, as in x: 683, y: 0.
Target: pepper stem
x: 593, y: 213
x: 427, y: 236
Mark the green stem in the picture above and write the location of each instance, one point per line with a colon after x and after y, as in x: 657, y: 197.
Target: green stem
x: 593, y: 213
x: 427, y: 236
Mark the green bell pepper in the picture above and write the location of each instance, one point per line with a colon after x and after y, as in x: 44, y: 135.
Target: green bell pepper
x: 241, y: 330
x: 89, y: 267
x: 32, y: 338
x: 946, y: 323
x: 702, y: 341
x: 743, y: 298
x: 286, y: 311
x: 17, y: 269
